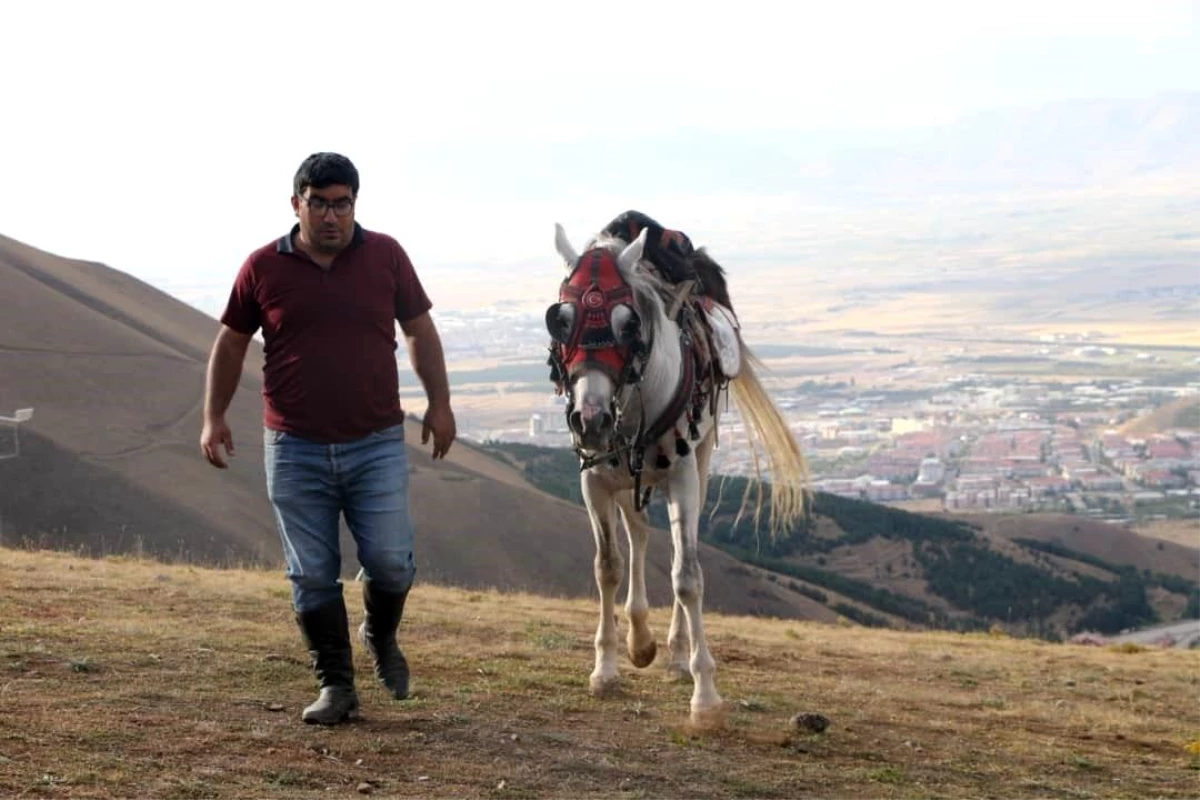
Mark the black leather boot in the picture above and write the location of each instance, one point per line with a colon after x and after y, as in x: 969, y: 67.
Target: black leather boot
x: 326, y: 633
x: 378, y: 635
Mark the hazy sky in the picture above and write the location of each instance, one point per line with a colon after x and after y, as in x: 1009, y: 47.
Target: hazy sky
x: 162, y: 139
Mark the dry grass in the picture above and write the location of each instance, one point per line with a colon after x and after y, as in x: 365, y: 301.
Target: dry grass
x: 130, y: 678
x: 1183, y: 412
x: 1180, y: 531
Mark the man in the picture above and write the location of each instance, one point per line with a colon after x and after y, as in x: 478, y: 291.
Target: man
x: 327, y: 297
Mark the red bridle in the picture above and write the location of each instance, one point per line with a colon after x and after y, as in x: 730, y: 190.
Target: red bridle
x: 593, y: 290
x: 583, y: 334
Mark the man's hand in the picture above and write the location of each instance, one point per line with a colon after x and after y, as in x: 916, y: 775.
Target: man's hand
x: 213, y: 436
x: 221, y: 379
x: 439, y: 420
x: 425, y: 352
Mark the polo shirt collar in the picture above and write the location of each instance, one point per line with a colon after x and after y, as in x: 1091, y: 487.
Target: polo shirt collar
x: 284, y: 245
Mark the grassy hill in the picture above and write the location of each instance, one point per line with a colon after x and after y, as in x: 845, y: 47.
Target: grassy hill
x: 1041, y: 575
x: 110, y: 463
x: 1182, y: 413
x: 1181, y: 531
x: 124, y: 677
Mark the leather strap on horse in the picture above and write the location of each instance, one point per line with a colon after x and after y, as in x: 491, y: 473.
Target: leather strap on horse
x: 680, y: 296
x: 687, y: 377
x: 666, y: 420
x: 683, y: 394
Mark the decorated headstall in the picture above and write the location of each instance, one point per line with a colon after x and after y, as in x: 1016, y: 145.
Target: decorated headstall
x: 594, y: 324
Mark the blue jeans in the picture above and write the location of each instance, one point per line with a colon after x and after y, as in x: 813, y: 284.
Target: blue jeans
x: 311, y: 484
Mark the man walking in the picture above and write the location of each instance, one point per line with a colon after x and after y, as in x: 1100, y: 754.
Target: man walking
x: 327, y: 296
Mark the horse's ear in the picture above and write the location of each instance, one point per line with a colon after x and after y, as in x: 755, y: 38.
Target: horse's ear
x: 563, y: 245
x: 632, y: 254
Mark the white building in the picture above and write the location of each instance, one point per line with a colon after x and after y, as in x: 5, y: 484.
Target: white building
x: 932, y: 471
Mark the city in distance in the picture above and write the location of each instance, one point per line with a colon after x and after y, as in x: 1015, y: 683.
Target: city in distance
x: 976, y: 321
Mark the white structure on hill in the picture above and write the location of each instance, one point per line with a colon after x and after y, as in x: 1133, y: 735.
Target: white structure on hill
x: 12, y: 449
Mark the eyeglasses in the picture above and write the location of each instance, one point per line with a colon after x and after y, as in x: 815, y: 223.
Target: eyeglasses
x: 319, y: 205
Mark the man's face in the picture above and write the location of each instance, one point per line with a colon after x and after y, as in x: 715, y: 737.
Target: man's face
x: 326, y: 216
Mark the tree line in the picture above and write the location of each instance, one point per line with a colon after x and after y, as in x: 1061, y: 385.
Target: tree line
x: 957, y: 564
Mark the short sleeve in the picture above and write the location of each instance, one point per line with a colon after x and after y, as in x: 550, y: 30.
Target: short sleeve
x: 411, y: 299
x: 242, y: 311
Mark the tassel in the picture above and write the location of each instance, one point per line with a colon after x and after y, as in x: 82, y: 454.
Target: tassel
x: 693, y: 431
x: 681, y: 447
x: 662, y: 462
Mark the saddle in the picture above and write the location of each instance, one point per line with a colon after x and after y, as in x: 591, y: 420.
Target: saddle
x: 713, y: 328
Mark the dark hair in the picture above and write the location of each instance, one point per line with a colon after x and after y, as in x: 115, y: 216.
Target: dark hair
x: 325, y: 169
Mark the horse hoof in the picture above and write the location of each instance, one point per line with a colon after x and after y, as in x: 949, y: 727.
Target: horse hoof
x: 677, y: 673
x: 605, y: 687
x: 645, y: 656
x: 709, y: 718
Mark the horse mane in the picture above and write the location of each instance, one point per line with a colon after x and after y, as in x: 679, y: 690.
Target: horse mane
x: 711, y: 275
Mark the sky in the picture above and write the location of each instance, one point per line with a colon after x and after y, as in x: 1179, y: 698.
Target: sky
x: 161, y: 139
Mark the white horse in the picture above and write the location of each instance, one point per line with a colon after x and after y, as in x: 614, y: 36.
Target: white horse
x: 643, y: 382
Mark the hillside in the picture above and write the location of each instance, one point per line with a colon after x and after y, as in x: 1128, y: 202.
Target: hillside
x: 1182, y: 413
x: 110, y: 463
x: 1180, y: 531
x: 1042, y: 575
x: 129, y: 678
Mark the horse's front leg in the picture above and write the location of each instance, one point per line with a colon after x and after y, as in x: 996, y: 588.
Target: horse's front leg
x: 640, y: 640
x: 683, y: 504
x: 679, y: 649
x: 678, y: 644
x: 602, y: 509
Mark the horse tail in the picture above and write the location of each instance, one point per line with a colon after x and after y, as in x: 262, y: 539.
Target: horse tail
x: 765, y: 426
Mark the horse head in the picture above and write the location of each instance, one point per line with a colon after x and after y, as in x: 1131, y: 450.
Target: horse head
x: 601, y: 330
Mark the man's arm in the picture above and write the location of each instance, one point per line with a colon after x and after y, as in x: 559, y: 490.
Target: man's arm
x: 224, y: 371
x: 429, y: 362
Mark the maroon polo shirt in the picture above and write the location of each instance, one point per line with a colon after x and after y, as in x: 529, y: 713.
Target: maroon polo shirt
x: 329, y: 334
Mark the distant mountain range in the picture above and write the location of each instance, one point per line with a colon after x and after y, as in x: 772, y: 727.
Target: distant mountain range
x: 1079, y: 143
x: 1084, y: 143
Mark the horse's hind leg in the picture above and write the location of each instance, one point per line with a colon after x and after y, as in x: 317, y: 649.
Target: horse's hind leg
x: 602, y: 509
x: 640, y: 640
